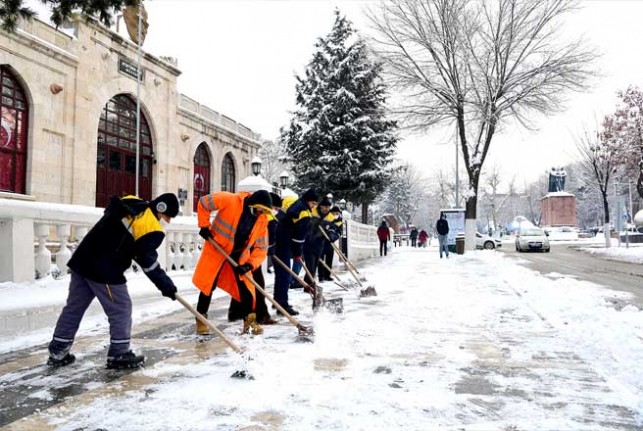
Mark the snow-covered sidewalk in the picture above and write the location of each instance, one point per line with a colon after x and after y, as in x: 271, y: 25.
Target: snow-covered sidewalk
x: 474, y: 342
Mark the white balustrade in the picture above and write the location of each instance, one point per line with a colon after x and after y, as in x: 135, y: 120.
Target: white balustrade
x: 187, y: 254
x: 63, y: 231
x: 169, y: 260
x: 43, y: 255
x: 21, y: 221
x: 178, y: 255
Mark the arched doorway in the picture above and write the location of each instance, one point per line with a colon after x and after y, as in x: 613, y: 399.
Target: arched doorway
x: 228, y: 177
x: 14, y: 115
x: 116, y: 159
x: 201, y: 173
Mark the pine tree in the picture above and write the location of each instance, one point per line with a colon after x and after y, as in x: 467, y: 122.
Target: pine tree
x: 11, y: 11
x: 339, y: 139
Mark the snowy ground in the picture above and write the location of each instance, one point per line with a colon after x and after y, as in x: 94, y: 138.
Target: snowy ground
x: 473, y: 342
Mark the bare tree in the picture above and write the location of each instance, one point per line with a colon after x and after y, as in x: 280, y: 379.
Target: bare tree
x: 628, y: 127
x: 492, y: 195
x: 478, y: 63
x: 274, y: 160
x: 598, y: 161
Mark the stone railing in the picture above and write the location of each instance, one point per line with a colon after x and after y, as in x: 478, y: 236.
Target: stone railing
x: 362, y: 240
x: 56, y: 229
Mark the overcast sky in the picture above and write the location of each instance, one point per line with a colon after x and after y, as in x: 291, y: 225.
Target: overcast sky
x: 239, y: 57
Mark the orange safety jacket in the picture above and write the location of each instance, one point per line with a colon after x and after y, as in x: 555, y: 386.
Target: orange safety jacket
x: 229, y: 207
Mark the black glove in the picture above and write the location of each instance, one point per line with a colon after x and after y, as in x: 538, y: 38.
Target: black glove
x: 168, y: 289
x: 242, y: 269
x: 205, y: 233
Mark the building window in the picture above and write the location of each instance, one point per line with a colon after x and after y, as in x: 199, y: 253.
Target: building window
x: 201, y: 173
x: 116, y: 157
x: 14, y: 113
x: 228, y: 181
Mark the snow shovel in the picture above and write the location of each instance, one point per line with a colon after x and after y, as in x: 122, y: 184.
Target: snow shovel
x: 364, y: 291
x: 333, y: 305
x: 339, y: 281
x: 241, y: 374
x: 304, y: 331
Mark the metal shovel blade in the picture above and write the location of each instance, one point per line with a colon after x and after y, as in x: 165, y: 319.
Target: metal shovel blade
x: 335, y: 305
x: 369, y: 291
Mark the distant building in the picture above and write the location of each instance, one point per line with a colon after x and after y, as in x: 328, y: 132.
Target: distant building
x: 68, y: 115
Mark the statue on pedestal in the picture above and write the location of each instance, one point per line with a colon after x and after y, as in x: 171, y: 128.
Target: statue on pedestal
x: 557, y: 180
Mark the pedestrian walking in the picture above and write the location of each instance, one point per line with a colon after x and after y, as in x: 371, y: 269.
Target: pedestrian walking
x: 240, y: 227
x: 422, y: 238
x: 130, y: 229
x: 442, y: 230
x: 413, y: 235
x: 384, y: 235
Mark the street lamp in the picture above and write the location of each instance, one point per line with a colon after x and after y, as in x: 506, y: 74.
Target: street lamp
x: 283, y: 179
x: 256, y: 166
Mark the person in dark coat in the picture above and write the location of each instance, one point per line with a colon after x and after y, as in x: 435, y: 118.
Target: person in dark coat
x: 413, y: 235
x: 384, y: 235
x: 337, y: 229
x: 291, y: 235
x: 130, y: 229
x: 321, y: 217
x: 442, y: 229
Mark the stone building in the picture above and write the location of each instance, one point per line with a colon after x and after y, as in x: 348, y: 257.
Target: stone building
x: 68, y: 116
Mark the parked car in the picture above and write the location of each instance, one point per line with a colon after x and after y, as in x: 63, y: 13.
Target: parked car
x: 486, y: 242
x: 532, y: 239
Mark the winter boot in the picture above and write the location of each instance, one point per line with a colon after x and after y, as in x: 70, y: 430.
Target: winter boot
x: 202, y: 328
x: 250, y: 325
x: 125, y: 360
x: 55, y: 361
x: 288, y: 310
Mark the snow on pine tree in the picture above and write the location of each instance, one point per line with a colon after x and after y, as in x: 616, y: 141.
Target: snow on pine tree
x: 338, y: 138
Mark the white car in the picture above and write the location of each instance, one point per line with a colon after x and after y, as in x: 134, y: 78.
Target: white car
x: 486, y: 242
x: 532, y: 239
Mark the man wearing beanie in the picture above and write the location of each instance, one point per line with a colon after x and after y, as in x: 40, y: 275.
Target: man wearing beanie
x: 321, y: 217
x: 291, y: 234
x: 129, y: 230
x: 240, y: 227
x: 334, y: 231
x: 263, y: 315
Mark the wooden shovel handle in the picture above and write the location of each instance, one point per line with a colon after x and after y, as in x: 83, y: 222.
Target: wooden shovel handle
x: 234, y: 264
x: 205, y: 321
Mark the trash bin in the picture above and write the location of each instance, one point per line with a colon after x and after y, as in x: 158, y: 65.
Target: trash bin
x: 459, y: 244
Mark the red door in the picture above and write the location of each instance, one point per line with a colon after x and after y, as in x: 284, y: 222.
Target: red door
x: 201, y: 174
x: 116, y: 158
x: 14, y: 113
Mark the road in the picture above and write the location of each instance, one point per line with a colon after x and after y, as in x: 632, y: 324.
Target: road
x: 571, y: 261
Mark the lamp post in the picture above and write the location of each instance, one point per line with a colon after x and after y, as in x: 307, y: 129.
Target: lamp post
x: 256, y: 166
x: 284, y: 178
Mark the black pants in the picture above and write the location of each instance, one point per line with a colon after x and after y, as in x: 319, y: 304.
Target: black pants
x: 235, y: 310
x: 246, y: 298
x: 327, y: 255
x: 383, y: 247
x: 312, y: 253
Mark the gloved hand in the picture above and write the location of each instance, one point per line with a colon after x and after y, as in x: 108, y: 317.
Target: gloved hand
x: 168, y: 289
x: 297, y: 258
x: 205, y: 233
x: 242, y: 269
x: 333, y: 236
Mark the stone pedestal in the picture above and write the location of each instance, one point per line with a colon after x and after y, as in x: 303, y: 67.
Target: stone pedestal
x: 558, y: 209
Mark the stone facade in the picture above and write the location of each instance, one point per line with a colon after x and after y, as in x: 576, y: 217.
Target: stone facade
x: 87, y: 60
x: 558, y: 209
